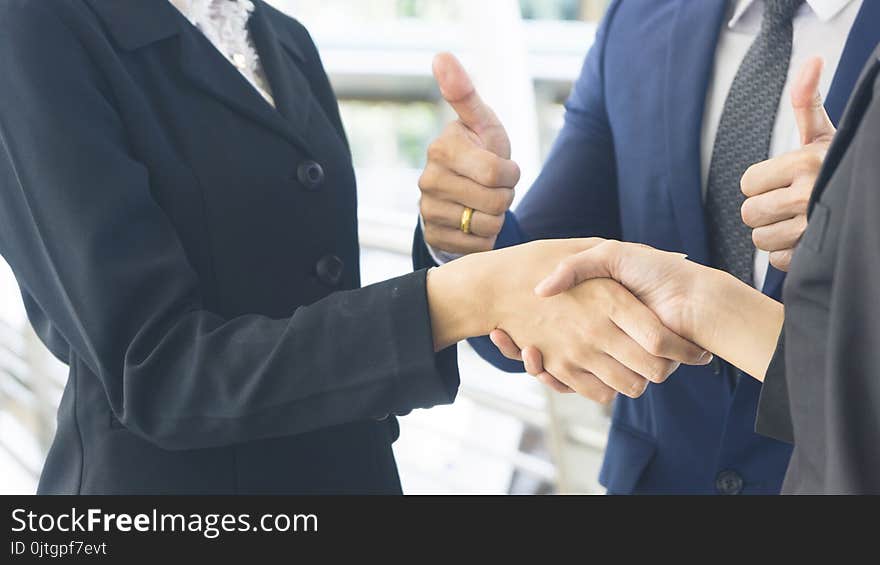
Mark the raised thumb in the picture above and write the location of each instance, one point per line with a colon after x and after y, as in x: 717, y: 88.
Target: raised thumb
x: 809, y: 110
x: 458, y: 90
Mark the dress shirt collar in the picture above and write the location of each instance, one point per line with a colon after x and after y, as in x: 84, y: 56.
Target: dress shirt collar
x: 825, y: 10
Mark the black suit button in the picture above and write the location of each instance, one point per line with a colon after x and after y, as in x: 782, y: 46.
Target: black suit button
x: 729, y: 483
x: 311, y: 175
x: 329, y: 270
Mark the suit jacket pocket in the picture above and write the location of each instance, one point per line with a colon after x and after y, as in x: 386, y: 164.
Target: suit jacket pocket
x: 627, y: 456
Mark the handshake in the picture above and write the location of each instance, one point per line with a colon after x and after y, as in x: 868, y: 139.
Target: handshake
x: 599, y: 317
x: 582, y: 330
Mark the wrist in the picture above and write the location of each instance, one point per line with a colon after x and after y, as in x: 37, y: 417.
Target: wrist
x: 706, y: 299
x: 459, y: 301
x: 735, y: 321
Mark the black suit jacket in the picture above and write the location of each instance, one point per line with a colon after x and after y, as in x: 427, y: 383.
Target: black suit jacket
x: 192, y: 254
x: 822, y: 391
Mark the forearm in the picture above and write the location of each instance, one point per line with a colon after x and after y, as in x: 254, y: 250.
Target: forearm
x: 735, y: 322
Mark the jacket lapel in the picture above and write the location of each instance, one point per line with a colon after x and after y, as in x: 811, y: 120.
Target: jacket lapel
x: 849, y: 125
x: 691, y: 55
x: 290, y: 87
x: 209, y: 71
x: 135, y: 24
x: 863, y: 38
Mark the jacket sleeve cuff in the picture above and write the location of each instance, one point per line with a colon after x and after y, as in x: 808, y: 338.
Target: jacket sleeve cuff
x: 774, y: 414
x: 511, y: 234
x: 425, y: 378
x: 421, y: 256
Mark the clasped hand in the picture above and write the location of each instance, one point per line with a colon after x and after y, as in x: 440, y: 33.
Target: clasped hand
x: 703, y: 306
x: 596, y: 338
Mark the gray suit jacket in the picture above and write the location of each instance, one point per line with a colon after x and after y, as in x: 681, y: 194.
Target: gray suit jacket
x: 822, y: 391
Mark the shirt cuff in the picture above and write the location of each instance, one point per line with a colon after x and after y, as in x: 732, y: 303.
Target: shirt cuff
x: 439, y: 257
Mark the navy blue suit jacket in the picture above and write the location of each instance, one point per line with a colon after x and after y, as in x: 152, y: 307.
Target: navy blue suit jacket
x: 627, y: 166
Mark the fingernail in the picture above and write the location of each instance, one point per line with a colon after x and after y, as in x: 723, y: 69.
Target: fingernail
x: 638, y: 389
x: 705, y: 358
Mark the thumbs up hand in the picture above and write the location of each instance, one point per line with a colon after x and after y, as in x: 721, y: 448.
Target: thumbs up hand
x: 778, y: 190
x: 468, y: 166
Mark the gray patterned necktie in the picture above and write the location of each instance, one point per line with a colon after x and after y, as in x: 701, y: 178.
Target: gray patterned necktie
x: 744, y: 137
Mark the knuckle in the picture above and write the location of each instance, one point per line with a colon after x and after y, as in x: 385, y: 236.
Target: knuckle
x: 807, y: 164
x: 761, y: 238
x: 437, y: 151
x: 802, y: 198
x: 658, y: 371
x: 497, y: 202
x: 490, y: 174
x: 610, y: 249
x: 612, y: 245
x: 428, y: 211
x: 495, y: 224
x: 430, y: 233
x: 590, y: 387
x: 758, y: 239
x: 749, y: 212
x: 530, y: 367
x: 602, y: 393
x: 813, y: 161
x: 505, y: 199
x: 781, y: 259
x: 516, y: 173
x: 437, y: 238
x: 655, y: 340
x: 509, y: 195
x: 428, y: 179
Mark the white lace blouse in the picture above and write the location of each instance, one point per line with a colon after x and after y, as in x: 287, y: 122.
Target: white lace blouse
x: 224, y: 23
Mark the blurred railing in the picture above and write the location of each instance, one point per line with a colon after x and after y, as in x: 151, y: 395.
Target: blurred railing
x: 30, y: 387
